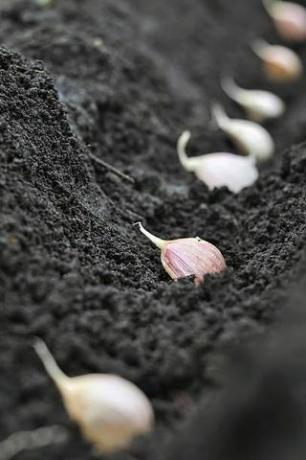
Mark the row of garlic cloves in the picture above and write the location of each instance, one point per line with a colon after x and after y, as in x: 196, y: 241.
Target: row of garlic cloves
x: 289, y: 19
x: 184, y: 257
x: 193, y: 256
x: 110, y: 410
x: 281, y: 65
x: 223, y: 169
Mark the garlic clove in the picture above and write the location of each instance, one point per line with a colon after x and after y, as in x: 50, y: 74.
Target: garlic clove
x: 281, y: 64
x: 188, y: 256
x: 219, y: 169
x: 259, y: 105
x: 110, y: 410
x: 289, y: 19
x: 251, y: 138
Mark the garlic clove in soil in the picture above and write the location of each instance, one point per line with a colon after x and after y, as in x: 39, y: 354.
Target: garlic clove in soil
x: 251, y: 138
x: 259, y: 105
x: 110, y: 410
x: 289, y: 19
x: 281, y: 64
x: 188, y: 256
x: 219, y: 169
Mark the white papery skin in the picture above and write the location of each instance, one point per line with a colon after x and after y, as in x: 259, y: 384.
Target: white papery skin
x: 289, y: 19
x: 226, y: 170
x: 281, y: 64
x: 259, y: 105
x: 251, y: 138
x: 218, y: 169
x: 110, y: 410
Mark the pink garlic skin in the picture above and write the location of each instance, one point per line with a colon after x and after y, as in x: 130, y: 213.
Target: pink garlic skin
x: 191, y: 256
x: 290, y: 21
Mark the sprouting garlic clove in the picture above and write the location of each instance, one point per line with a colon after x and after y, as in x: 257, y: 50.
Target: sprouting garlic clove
x: 281, y: 64
x: 259, y: 105
x: 289, y: 19
x: 251, y: 138
x: 110, y: 410
x: 188, y: 256
x: 219, y: 169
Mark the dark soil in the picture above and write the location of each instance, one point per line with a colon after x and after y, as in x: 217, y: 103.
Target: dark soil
x: 259, y: 411
x: 121, y: 79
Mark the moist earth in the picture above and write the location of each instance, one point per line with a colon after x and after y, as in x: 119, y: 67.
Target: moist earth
x: 120, y: 81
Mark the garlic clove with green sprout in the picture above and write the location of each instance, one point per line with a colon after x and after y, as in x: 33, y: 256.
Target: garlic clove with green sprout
x: 251, y: 138
x: 281, y: 64
x: 289, y: 19
x: 110, y: 410
x: 259, y: 105
x: 188, y: 256
x: 218, y: 169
